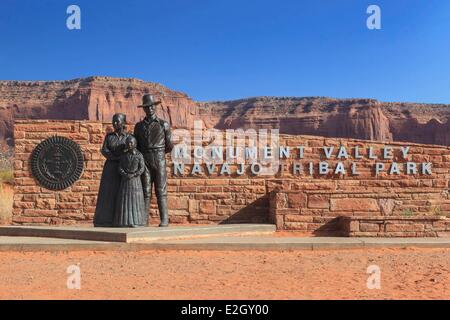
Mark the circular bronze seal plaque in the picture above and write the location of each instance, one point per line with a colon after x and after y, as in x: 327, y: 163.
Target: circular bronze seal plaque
x: 57, y: 163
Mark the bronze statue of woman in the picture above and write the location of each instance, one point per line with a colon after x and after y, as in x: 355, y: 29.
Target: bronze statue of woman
x: 112, y: 149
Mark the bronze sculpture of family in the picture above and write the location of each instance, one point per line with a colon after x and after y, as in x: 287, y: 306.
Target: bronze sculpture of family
x: 133, y: 163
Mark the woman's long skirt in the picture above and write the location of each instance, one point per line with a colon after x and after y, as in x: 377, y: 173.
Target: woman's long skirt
x: 107, y: 195
x: 130, y: 205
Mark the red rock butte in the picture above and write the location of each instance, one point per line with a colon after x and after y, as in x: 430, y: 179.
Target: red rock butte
x: 98, y: 98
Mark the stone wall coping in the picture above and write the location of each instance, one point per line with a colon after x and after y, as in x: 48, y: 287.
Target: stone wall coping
x: 359, y: 193
x: 365, y: 193
x: 39, y: 121
x: 416, y: 218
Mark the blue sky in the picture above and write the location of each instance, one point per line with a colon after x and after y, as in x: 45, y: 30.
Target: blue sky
x: 229, y: 49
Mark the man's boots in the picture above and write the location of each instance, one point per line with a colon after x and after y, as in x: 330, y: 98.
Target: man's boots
x: 147, y: 209
x: 163, y: 211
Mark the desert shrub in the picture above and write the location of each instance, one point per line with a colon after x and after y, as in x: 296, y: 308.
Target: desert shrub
x: 436, y: 211
x: 408, y: 213
x: 6, y: 176
x: 6, y: 163
x: 6, y: 180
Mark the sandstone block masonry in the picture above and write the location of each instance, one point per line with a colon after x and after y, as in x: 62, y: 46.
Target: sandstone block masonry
x: 395, y: 226
x: 297, y: 198
x: 200, y: 199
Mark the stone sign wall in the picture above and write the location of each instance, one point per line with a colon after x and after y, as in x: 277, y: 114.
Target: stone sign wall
x: 191, y: 199
x: 319, y: 180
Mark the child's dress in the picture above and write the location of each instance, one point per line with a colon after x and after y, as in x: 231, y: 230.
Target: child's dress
x: 130, y: 206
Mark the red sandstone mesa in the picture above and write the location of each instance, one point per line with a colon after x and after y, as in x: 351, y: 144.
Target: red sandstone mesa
x: 347, y: 118
x: 98, y: 98
x: 93, y: 98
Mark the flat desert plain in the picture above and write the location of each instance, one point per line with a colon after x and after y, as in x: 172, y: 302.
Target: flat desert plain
x: 328, y: 274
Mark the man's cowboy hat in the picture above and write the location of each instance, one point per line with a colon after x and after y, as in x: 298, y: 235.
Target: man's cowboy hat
x: 148, y: 100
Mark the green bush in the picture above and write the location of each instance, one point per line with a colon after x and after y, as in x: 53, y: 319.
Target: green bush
x: 6, y: 176
x: 6, y: 163
x: 408, y: 212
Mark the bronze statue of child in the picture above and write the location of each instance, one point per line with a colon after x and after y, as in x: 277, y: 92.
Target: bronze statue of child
x: 130, y: 205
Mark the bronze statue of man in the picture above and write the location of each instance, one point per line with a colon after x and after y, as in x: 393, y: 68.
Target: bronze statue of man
x: 154, y: 141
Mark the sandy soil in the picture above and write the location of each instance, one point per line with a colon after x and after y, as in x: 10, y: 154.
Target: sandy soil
x: 405, y: 274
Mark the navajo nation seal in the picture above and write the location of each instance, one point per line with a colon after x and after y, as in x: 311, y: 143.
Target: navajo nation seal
x: 57, y: 163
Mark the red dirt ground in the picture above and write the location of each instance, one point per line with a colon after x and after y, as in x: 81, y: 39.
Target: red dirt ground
x: 334, y: 274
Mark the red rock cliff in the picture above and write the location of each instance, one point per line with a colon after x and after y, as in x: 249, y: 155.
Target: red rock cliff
x: 93, y: 98
x: 98, y: 98
x: 346, y: 118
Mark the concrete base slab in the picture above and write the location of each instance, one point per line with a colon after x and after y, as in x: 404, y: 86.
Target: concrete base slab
x: 128, y: 235
x: 299, y: 243
x: 51, y: 244
x: 221, y: 243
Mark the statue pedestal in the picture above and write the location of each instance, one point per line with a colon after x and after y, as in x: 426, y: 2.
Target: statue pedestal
x: 129, y: 235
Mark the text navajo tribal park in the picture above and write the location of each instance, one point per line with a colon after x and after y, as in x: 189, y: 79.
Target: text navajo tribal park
x: 310, y: 168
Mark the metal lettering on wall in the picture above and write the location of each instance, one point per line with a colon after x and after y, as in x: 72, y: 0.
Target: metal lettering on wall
x: 57, y: 163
